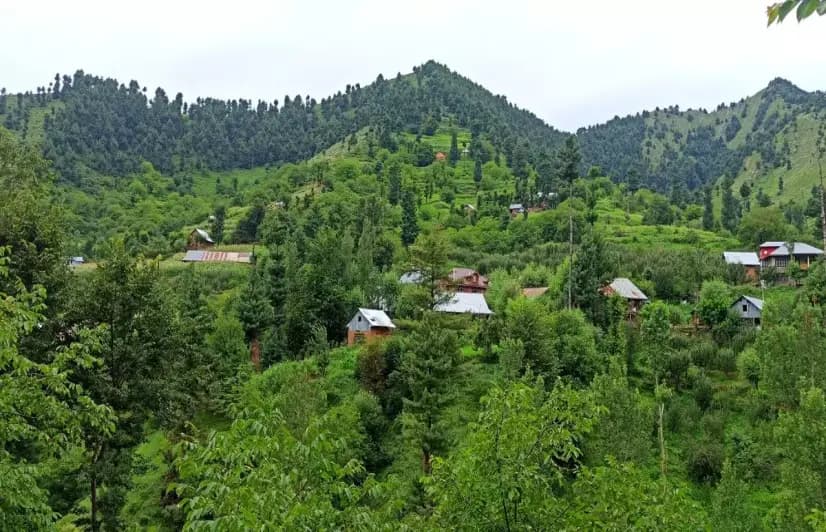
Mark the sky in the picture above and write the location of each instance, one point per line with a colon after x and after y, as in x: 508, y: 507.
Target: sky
x: 573, y: 64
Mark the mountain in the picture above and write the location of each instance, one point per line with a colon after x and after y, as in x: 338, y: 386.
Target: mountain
x: 95, y: 125
x: 755, y: 140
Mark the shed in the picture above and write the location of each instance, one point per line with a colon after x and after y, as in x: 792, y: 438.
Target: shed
x: 465, y: 303
x: 750, y: 309
x: 199, y: 239
x: 516, y: 209
x: 627, y: 290
x: 368, y: 323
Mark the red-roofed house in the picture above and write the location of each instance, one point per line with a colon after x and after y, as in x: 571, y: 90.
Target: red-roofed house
x: 468, y: 281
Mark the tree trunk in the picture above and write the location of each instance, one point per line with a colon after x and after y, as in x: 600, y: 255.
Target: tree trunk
x: 661, y: 437
x: 427, y: 462
x: 255, y: 353
x: 94, y: 498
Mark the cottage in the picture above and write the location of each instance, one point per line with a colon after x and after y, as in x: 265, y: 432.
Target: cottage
x: 777, y: 255
x: 368, y: 324
x: 199, y: 239
x: 750, y: 309
x: 468, y: 281
x: 748, y: 260
x: 516, y: 209
x: 465, y: 303
x: 629, y: 291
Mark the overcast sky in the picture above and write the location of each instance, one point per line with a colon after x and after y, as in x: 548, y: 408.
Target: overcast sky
x: 571, y: 63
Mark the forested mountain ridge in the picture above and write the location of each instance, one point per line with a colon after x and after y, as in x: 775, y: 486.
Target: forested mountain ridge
x: 767, y: 134
x: 106, y: 127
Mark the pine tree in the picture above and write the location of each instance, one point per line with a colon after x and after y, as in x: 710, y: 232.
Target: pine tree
x: 218, y: 224
x: 429, y: 368
x: 410, y: 226
x: 708, y: 209
x: 731, y: 207
x: 394, y: 188
x: 453, y: 156
x: 477, y: 173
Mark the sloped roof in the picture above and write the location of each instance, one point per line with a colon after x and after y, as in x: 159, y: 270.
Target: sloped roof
x: 376, y: 318
x: 199, y: 255
x: 753, y: 300
x: 457, y: 274
x: 625, y: 288
x: 515, y: 206
x: 534, y: 292
x: 412, y: 277
x: 465, y: 303
x: 203, y: 234
x: 800, y: 248
x: 746, y: 258
x: 772, y: 244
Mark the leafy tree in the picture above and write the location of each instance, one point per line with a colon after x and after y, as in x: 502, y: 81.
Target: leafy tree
x: 715, y: 302
x: 778, y: 11
x: 428, y: 367
x: 428, y: 257
x: 656, y: 332
x: 529, y: 322
x: 762, y: 224
x: 516, y: 456
x: 591, y: 270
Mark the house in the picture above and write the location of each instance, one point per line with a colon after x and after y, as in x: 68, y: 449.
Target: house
x: 532, y: 293
x: 76, y: 261
x: 776, y: 255
x: 516, y: 209
x: 368, y: 324
x: 465, y: 303
x: 750, y: 309
x: 627, y: 290
x: 748, y: 260
x: 198, y: 255
x: 199, y: 239
x: 467, y: 280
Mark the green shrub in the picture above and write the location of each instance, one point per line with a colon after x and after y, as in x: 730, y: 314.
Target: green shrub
x: 705, y: 463
x: 726, y: 360
x: 703, y: 353
x: 703, y: 392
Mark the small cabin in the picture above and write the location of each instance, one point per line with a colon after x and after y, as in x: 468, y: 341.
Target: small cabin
x: 747, y: 260
x: 516, y: 209
x: 76, y: 261
x: 627, y: 290
x: 199, y: 239
x: 749, y: 309
x: 368, y: 324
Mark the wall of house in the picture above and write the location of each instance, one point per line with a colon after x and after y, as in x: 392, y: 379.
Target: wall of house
x: 356, y: 337
x: 750, y: 313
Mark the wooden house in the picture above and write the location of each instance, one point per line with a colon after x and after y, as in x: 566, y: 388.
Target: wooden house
x: 199, y: 239
x: 466, y: 280
x: 747, y: 260
x: 750, y: 309
x: 627, y: 290
x: 368, y: 324
x: 777, y: 255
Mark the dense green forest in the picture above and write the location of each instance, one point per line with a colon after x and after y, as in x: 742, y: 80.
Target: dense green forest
x: 141, y: 393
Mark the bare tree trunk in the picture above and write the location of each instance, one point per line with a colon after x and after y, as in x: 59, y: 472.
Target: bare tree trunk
x: 822, y: 203
x: 94, y: 498
x: 661, y: 437
x: 255, y: 353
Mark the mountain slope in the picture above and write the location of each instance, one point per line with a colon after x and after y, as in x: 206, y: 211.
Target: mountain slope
x: 106, y: 127
x: 765, y: 135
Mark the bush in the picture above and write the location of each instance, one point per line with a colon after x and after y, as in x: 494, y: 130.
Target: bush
x: 703, y: 392
x: 704, y: 354
x: 726, y: 360
x: 748, y: 365
x: 705, y: 463
x: 681, y: 415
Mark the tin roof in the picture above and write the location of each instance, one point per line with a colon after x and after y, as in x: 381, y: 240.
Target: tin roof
x: 412, y: 277
x: 465, y: 303
x: 746, y: 258
x: 753, y: 300
x: 376, y: 318
x: 800, y: 248
x: 515, y: 206
x: 198, y: 255
x: 625, y: 288
x: 203, y: 234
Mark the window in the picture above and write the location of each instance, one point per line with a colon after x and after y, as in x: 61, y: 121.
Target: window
x: 359, y: 319
x: 781, y: 262
x: 745, y: 308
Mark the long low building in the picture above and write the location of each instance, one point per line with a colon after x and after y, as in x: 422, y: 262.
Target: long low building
x: 199, y: 255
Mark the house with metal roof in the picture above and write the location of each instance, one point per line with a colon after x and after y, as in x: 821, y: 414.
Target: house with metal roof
x: 516, y: 209
x: 627, y: 290
x: 467, y: 280
x: 200, y: 255
x: 199, y: 239
x: 368, y: 324
x: 750, y: 309
x: 464, y: 303
x: 777, y: 255
x: 748, y: 260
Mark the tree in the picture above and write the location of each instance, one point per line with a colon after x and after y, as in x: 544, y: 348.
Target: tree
x: 714, y: 304
x: 778, y: 11
x: 529, y: 322
x: 477, y: 173
x: 428, y: 257
x: 410, y: 224
x: 453, y: 155
x: 394, y: 185
x: 217, y: 228
x: 656, y: 336
x: 731, y: 207
x: 429, y: 366
x: 762, y: 224
x: 708, y: 209
x: 591, y: 270
x: 43, y: 415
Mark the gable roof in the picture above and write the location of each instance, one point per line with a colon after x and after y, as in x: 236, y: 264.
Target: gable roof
x: 376, y: 318
x: 745, y: 258
x: 800, y: 248
x: 465, y: 303
x: 625, y: 288
x: 758, y: 303
x: 203, y: 234
x: 515, y: 206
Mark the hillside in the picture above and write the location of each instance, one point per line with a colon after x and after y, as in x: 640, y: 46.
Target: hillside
x: 756, y: 140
